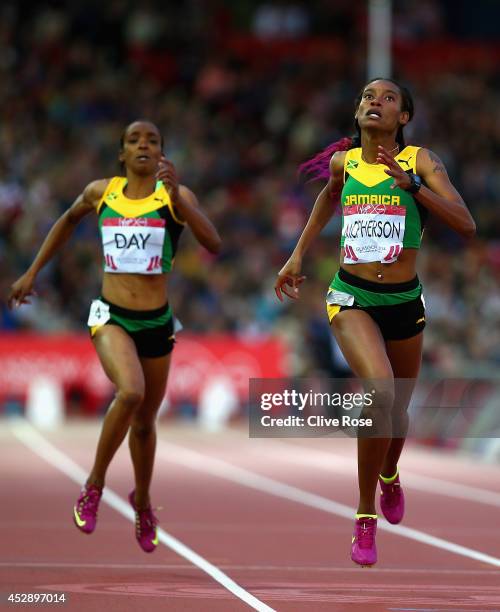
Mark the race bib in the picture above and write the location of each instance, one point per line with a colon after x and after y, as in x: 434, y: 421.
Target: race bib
x: 373, y: 232
x: 133, y: 245
x: 99, y: 313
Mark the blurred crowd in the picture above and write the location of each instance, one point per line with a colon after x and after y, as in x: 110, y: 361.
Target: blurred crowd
x: 243, y: 93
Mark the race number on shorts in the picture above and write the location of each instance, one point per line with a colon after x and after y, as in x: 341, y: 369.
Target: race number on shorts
x: 99, y: 313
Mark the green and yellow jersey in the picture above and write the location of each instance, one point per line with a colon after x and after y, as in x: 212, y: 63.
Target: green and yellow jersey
x: 377, y: 221
x: 138, y: 236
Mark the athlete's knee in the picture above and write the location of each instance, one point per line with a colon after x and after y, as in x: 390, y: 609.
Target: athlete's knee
x: 377, y: 408
x: 129, y: 397
x: 404, y: 391
x: 142, y: 429
x: 379, y: 397
x: 400, y: 408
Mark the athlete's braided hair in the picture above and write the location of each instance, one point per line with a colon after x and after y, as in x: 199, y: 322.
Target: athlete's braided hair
x: 318, y: 167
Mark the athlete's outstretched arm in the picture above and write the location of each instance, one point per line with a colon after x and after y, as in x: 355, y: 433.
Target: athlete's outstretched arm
x: 322, y: 212
x: 57, y: 236
x: 188, y: 208
x: 440, y: 197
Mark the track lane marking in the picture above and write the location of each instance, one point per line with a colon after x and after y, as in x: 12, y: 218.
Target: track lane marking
x: 217, y: 467
x: 40, y: 446
x: 429, y: 484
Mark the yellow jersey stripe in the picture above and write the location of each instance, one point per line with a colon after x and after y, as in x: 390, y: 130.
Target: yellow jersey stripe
x: 374, y: 174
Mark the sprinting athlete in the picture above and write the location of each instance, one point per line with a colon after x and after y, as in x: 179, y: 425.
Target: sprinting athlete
x: 375, y: 304
x: 141, y: 216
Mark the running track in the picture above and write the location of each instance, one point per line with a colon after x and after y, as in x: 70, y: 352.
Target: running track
x: 247, y: 524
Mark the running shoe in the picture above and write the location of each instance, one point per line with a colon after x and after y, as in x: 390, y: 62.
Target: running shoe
x: 145, y: 526
x: 85, y: 509
x: 364, y: 549
x: 392, y: 500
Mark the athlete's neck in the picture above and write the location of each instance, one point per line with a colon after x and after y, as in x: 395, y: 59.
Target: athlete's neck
x: 370, y: 143
x: 139, y: 187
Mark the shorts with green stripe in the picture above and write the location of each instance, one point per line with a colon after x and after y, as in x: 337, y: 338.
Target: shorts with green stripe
x: 151, y: 330
x: 397, y: 308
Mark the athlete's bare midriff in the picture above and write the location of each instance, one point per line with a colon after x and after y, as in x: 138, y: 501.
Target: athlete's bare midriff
x: 136, y: 291
x: 400, y: 271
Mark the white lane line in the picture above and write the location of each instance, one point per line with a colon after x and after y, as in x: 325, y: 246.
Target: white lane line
x: 341, y: 465
x: 251, y: 568
x: 217, y: 467
x: 31, y: 438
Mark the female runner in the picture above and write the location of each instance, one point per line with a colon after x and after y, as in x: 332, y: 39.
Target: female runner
x: 375, y: 304
x: 141, y: 216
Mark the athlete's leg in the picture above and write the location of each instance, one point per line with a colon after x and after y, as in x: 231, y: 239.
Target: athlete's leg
x: 405, y: 357
x: 119, y: 359
x: 142, y: 437
x: 361, y: 342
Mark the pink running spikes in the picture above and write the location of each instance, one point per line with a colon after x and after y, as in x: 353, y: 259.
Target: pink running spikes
x: 392, y: 500
x: 85, y: 509
x: 364, y: 549
x: 145, y: 526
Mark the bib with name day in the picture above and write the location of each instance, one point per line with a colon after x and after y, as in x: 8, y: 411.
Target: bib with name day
x: 138, y: 236
x: 133, y: 245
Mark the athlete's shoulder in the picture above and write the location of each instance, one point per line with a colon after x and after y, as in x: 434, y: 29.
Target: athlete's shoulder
x: 95, y: 190
x: 429, y: 163
x: 337, y: 163
x: 187, y: 194
x: 426, y: 154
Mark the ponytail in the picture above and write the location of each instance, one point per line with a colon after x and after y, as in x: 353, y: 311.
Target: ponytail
x: 318, y: 167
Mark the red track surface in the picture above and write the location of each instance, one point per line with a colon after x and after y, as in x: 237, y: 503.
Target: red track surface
x: 289, y: 555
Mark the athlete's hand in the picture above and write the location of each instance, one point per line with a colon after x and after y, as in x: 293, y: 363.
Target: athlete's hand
x: 289, y: 276
x: 168, y: 175
x: 401, y: 179
x: 21, y: 290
